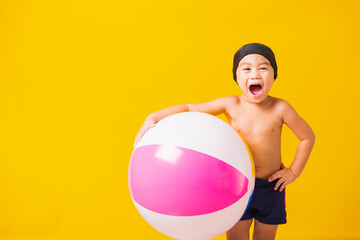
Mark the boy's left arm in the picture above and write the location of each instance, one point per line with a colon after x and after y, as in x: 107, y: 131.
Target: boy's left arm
x: 307, y: 139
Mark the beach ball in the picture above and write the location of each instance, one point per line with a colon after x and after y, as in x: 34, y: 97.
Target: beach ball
x: 190, y: 176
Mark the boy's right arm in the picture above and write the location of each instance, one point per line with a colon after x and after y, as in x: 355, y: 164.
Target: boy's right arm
x: 214, y: 107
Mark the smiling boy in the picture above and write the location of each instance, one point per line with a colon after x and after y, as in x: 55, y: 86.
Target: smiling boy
x: 258, y: 118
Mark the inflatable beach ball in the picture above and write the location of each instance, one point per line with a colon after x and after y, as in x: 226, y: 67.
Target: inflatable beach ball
x: 190, y: 176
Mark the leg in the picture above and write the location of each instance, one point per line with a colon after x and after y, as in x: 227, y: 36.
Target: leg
x: 240, y: 231
x: 264, y: 231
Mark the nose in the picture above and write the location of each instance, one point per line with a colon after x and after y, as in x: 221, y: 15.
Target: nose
x: 254, y: 74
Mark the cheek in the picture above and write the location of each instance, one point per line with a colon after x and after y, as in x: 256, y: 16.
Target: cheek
x: 268, y: 84
x: 242, y: 86
x: 238, y: 74
x: 268, y: 77
x: 242, y: 76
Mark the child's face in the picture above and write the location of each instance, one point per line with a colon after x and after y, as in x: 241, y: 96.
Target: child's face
x: 255, y: 77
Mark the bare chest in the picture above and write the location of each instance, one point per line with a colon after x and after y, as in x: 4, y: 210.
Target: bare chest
x: 256, y: 123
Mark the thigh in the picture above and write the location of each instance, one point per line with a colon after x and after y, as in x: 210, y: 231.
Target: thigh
x: 240, y: 231
x: 264, y: 231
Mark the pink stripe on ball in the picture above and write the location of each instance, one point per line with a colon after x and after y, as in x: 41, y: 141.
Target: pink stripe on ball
x: 182, y: 182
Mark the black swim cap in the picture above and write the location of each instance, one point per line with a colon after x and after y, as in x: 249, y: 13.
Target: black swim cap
x: 254, y: 48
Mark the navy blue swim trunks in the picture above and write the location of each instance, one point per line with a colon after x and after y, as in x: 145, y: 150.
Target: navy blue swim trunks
x: 266, y: 205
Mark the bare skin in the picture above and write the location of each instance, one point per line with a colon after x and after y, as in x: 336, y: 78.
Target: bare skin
x: 261, y: 231
x: 258, y: 118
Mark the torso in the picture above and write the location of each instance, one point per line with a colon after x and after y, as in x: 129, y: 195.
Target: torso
x: 260, y: 125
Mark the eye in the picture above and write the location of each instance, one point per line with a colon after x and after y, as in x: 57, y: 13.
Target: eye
x: 246, y: 69
x: 263, y: 68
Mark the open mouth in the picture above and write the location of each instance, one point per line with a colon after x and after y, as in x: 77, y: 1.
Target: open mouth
x: 255, y: 89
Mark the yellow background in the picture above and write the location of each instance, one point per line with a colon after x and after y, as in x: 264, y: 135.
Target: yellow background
x: 77, y: 79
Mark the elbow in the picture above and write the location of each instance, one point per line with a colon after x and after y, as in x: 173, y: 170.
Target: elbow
x: 311, y: 138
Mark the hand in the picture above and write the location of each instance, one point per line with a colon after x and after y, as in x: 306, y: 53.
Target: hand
x: 285, y: 176
x: 149, y: 123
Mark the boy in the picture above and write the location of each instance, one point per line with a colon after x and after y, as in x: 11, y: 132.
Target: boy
x: 258, y: 118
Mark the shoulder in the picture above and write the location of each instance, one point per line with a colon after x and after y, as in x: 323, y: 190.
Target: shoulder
x: 228, y: 100
x: 281, y: 104
x: 283, y: 108
x: 227, y: 103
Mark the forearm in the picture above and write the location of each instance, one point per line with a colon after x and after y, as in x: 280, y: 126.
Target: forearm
x: 302, y: 155
x: 163, y: 113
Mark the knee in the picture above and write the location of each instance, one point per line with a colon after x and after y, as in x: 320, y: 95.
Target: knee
x: 262, y: 236
x: 238, y: 235
x: 240, y: 231
x: 264, y: 231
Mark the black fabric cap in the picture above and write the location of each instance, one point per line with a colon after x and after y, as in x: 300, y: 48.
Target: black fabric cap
x: 254, y: 48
